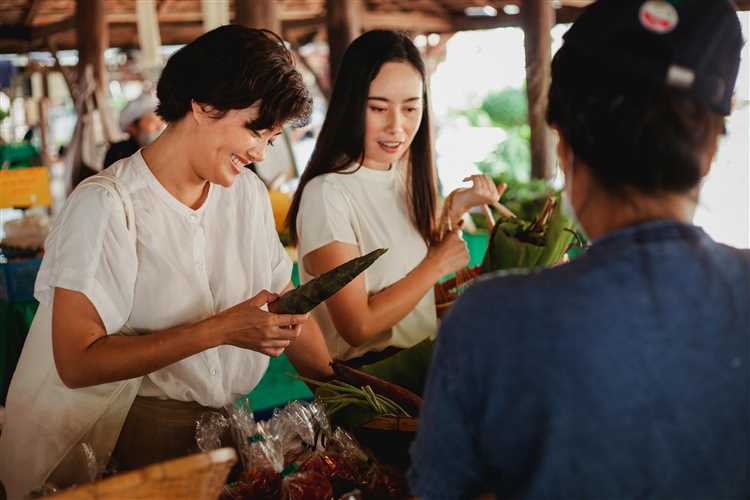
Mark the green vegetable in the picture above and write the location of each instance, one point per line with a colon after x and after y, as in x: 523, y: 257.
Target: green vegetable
x: 351, y: 406
x: 305, y: 298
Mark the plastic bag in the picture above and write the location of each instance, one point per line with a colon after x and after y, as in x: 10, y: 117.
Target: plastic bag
x: 208, y: 430
x: 307, y: 485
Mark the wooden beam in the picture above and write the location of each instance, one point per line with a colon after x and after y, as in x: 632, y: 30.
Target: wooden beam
x: 47, y: 30
x: 344, y: 24
x: 164, y: 17
x: 15, y: 32
x: 502, y: 20
x: 31, y: 10
x: 162, y: 6
x: 261, y: 14
x: 408, y: 21
x: 537, y: 17
x: 93, y: 38
x: 33, y: 34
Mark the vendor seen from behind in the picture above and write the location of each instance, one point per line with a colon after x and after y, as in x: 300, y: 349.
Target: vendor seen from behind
x: 139, y: 120
x: 156, y: 276
x: 625, y: 373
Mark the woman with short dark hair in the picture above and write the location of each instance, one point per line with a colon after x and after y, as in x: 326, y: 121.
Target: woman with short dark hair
x: 156, y: 275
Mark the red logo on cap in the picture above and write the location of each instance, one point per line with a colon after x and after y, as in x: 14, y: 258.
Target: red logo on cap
x: 658, y: 16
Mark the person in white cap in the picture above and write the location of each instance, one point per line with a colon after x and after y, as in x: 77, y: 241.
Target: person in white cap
x: 140, y: 121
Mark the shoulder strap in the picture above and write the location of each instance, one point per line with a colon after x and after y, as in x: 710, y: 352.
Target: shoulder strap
x: 111, y: 184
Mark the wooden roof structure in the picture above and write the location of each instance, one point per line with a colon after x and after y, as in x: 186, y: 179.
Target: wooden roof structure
x: 25, y: 24
x: 93, y: 25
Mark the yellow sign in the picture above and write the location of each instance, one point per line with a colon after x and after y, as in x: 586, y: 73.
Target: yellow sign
x: 24, y: 187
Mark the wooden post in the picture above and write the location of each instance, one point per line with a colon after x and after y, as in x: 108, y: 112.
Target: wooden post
x: 44, y: 130
x: 93, y: 38
x: 215, y: 13
x: 149, y: 38
x: 537, y: 19
x: 261, y: 14
x: 344, y: 24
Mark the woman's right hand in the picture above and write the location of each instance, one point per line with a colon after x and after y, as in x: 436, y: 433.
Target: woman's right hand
x: 247, y: 326
x: 450, y: 254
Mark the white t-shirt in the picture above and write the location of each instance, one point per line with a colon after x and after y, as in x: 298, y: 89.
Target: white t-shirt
x: 183, y: 265
x: 367, y: 208
x: 190, y: 265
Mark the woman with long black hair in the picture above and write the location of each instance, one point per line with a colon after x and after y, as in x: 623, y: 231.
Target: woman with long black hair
x: 371, y: 183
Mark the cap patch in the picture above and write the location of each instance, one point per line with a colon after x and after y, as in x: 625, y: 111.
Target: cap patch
x: 658, y: 16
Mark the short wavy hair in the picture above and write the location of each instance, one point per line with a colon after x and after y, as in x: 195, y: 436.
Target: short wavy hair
x: 234, y: 67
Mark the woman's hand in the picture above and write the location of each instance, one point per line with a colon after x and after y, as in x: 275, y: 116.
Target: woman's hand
x: 247, y: 326
x: 482, y: 192
x: 450, y: 254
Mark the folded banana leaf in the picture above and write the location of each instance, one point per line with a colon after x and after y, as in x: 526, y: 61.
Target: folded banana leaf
x: 305, y: 298
x: 519, y: 244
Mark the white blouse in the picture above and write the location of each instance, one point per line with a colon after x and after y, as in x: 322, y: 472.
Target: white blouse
x: 185, y: 265
x: 367, y: 208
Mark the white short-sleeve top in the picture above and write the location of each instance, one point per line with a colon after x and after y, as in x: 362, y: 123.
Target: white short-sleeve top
x: 187, y: 265
x: 175, y: 265
x: 367, y: 208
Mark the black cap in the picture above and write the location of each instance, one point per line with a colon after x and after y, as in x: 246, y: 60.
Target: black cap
x: 691, y: 45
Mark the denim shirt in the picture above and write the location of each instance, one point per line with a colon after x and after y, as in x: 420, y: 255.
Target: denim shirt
x: 624, y: 374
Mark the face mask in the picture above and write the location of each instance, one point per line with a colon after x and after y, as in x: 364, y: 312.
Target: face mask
x: 145, y: 138
x: 566, y: 204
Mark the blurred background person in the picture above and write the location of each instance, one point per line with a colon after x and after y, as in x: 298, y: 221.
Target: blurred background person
x: 139, y: 120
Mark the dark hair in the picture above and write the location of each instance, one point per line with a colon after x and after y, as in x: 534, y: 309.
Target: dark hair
x: 341, y: 140
x: 233, y: 67
x: 630, y: 132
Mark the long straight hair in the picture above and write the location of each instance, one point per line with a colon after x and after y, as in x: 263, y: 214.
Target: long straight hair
x: 342, y: 138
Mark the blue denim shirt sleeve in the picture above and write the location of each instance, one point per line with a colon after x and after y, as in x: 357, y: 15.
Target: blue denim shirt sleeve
x: 445, y: 455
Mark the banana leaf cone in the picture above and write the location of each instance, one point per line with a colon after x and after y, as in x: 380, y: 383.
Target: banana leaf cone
x: 518, y: 244
x: 305, y: 298
x: 559, y: 235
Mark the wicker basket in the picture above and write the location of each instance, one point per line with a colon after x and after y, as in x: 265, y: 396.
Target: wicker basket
x: 198, y: 477
x: 393, y: 424
x: 447, y: 292
x: 389, y: 439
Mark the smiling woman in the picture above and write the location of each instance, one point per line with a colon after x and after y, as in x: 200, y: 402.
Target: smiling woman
x: 176, y: 247
x: 371, y: 184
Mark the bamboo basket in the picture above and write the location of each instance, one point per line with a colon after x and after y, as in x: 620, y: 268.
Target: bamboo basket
x: 197, y: 477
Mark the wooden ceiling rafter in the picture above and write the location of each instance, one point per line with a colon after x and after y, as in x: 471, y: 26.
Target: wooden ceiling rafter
x: 25, y: 24
x: 31, y: 12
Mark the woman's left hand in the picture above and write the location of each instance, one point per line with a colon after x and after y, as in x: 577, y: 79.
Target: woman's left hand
x: 482, y: 192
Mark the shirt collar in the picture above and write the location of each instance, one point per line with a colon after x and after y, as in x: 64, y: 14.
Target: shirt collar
x: 166, y: 196
x: 647, y: 232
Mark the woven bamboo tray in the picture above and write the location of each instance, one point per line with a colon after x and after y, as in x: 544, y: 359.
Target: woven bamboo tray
x: 198, y: 477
